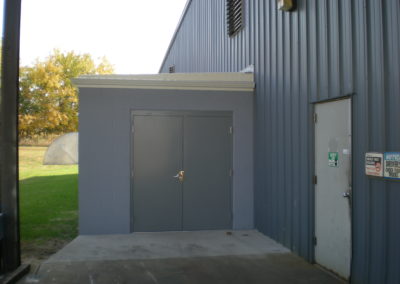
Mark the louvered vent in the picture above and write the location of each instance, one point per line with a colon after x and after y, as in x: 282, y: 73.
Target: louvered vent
x: 234, y: 16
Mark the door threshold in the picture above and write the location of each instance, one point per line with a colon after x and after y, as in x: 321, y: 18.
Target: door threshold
x: 331, y: 273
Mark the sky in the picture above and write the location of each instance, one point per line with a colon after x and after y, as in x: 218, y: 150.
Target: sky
x: 133, y: 34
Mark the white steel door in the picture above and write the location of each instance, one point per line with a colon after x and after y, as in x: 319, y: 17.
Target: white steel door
x: 333, y: 186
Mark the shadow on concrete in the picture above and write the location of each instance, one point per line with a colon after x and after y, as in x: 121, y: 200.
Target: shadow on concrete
x: 178, y: 257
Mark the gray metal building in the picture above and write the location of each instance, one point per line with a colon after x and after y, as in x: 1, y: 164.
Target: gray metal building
x: 141, y: 136
x: 322, y: 51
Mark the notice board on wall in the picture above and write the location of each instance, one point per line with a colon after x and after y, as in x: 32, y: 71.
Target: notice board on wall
x: 392, y: 165
x: 374, y: 164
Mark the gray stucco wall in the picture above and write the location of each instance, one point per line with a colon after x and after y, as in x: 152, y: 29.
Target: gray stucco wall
x: 323, y: 50
x: 104, y: 149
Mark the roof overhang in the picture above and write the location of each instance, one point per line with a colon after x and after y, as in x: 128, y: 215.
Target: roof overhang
x: 240, y: 82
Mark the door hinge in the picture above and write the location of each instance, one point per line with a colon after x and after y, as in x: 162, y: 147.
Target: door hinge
x: 231, y: 172
x: 315, y: 117
x: 230, y: 129
x: 132, y: 129
x: 314, y: 240
x: 315, y: 180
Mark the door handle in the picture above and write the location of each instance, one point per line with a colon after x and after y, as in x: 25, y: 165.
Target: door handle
x: 180, y: 176
x: 346, y: 194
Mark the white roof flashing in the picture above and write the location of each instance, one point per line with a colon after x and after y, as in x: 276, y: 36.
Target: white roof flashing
x: 171, y: 81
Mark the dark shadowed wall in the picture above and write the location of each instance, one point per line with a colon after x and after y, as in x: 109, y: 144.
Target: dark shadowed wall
x: 325, y: 49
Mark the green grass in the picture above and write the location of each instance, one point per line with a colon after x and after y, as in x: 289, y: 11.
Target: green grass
x: 48, y: 198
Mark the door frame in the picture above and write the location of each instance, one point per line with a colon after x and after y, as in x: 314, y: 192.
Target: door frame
x: 313, y: 171
x: 151, y: 112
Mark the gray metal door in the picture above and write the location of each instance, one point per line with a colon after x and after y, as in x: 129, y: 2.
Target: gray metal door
x: 181, y: 171
x: 207, y: 164
x: 333, y: 187
x: 157, y: 156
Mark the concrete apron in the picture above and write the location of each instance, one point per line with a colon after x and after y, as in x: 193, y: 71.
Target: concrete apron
x: 177, y: 257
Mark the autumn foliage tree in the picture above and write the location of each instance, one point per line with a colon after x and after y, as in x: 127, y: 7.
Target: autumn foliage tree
x: 48, y: 101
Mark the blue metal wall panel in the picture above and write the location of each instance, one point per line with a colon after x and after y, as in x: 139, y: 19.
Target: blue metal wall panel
x: 323, y: 50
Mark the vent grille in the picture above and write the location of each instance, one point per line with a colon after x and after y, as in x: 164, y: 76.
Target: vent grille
x: 171, y: 69
x: 234, y: 16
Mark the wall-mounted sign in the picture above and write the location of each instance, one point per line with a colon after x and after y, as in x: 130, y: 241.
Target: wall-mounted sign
x: 333, y: 159
x: 392, y: 165
x: 374, y: 164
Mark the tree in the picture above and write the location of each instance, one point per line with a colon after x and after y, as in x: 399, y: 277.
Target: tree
x: 48, y: 100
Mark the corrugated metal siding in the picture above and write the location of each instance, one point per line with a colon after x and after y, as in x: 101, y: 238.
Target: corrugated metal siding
x: 325, y: 49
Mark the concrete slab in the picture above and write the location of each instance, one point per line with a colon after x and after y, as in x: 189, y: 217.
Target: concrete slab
x: 177, y: 257
x: 167, y: 245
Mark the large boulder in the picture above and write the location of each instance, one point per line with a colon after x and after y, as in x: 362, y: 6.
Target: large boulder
x: 63, y: 150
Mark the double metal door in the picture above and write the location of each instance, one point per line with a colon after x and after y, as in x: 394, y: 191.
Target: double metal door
x: 181, y: 171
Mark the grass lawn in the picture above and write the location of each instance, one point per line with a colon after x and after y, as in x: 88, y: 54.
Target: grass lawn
x: 48, y: 203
